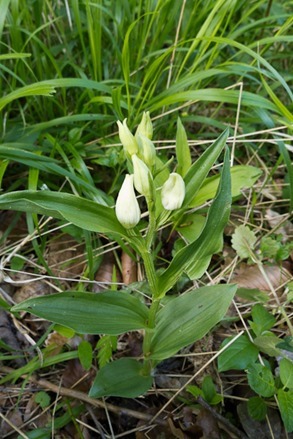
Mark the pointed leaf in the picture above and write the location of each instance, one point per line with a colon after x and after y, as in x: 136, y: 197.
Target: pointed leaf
x: 48, y: 165
x: 123, y: 377
x: 188, y: 318
x: 110, y: 312
x: 195, y: 257
x: 285, y: 400
x: 257, y: 408
x: 242, y: 176
x: 239, y: 355
x: 286, y: 373
x: 182, y: 150
x: 200, y: 169
x: 79, y: 211
x: 261, y: 380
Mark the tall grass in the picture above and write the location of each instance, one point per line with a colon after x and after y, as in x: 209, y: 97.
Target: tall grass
x: 109, y: 60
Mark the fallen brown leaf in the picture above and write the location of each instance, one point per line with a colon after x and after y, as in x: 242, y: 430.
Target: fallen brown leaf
x: 249, y: 276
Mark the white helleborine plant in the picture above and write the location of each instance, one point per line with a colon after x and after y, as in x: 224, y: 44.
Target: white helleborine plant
x: 127, y: 208
x: 127, y: 139
x: 173, y: 192
x: 142, y: 176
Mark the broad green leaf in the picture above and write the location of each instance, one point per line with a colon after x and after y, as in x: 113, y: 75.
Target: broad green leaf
x: 48, y: 165
x: 188, y: 318
x: 261, y: 380
x: 242, y: 176
x: 200, y: 169
x: 243, y: 241
x: 209, y: 391
x: 182, y: 150
x: 267, y: 343
x: 252, y: 294
x: 262, y: 319
x: 81, y: 212
x: 124, y: 377
x: 285, y: 400
x: 85, y: 354
x: 286, y: 373
x: 257, y: 408
x: 195, y: 257
x: 191, y: 226
x: 238, y: 355
x: 110, y: 312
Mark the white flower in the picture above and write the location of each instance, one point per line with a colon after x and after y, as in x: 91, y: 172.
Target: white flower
x: 127, y: 138
x: 141, y: 176
x: 127, y: 208
x: 173, y: 192
x: 147, y: 150
x: 145, y: 127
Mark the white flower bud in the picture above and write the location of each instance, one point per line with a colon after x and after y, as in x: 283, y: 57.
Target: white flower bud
x: 145, y: 127
x: 173, y: 192
x: 127, y: 208
x: 147, y: 150
x: 141, y: 176
x: 127, y: 138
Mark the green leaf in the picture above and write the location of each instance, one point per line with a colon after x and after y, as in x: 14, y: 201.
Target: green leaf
x: 252, y: 294
x: 285, y: 400
x: 199, y: 170
x: 43, y: 399
x: 261, y: 380
x: 288, y: 162
x: 209, y: 391
x: 239, y: 355
x: 123, y: 377
x: 47, y: 88
x: 269, y: 247
x: 85, y: 354
x: 257, y: 408
x: 105, y: 346
x: 195, y: 391
x: 188, y: 318
x: 262, y: 319
x: 267, y: 343
x: 286, y: 373
x: 243, y: 240
x: 286, y: 343
x: 182, y: 150
x: 48, y: 165
x: 191, y: 226
x: 195, y: 257
x: 109, y: 312
x: 242, y: 176
x: 79, y: 211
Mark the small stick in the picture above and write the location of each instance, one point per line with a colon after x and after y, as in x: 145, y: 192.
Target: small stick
x: 221, y: 419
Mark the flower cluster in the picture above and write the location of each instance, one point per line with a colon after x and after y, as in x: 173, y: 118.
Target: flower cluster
x: 141, y: 151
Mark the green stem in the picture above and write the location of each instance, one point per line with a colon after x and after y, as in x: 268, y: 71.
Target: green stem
x: 149, y: 335
x: 152, y: 223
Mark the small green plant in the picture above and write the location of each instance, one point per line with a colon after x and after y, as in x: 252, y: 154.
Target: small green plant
x: 166, y: 198
x: 272, y: 382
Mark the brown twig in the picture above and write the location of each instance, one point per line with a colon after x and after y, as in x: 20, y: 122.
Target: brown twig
x: 221, y: 419
x: 76, y: 394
